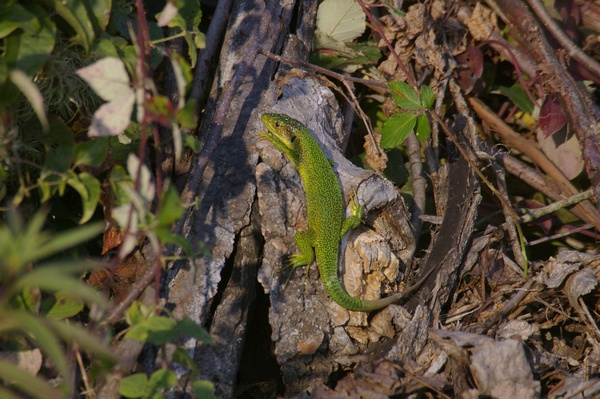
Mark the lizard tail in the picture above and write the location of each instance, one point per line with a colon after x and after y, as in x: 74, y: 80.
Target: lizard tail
x: 339, y: 295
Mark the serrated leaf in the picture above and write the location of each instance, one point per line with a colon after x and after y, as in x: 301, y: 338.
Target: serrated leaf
x: 427, y: 96
x: 423, y: 129
x: 108, y: 78
x: 343, y: 20
x: 404, y: 96
x: 396, y: 129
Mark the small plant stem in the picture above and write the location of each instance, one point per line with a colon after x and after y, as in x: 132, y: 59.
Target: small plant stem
x: 533, y: 214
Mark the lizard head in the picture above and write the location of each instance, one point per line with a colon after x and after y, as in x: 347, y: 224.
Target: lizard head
x: 281, y: 126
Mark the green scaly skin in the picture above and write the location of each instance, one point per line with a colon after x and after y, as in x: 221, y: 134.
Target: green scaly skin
x: 325, y: 209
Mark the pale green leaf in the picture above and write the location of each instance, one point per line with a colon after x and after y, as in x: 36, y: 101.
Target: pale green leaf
x: 108, y: 78
x: 112, y: 118
x: 343, y: 20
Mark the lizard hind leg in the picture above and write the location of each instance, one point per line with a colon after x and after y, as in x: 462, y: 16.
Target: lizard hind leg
x: 305, y: 256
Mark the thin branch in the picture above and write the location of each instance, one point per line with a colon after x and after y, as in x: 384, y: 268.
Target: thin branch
x: 575, y: 52
x: 533, y: 214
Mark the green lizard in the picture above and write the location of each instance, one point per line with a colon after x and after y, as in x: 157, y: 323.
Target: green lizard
x: 325, y: 210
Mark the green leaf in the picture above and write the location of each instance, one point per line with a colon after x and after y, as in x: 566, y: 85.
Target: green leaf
x: 204, y: 389
x: 427, y: 96
x: 161, y: 380
x: 423, y: 129
x: 157, y: 330
x: 62, y: 306
x: 170, y: 208
x: 59, y: 151
x: 181, y: 356
x: 404, y: 96
x: 134, y: 385
x: 23, y: 380
x: 518, y: 96
x: 75, y: 14
x: 190, y: 329
x: 396, y: 129
x: 14, y: 16
x: 90, y: 201
x: 28, y: 51
x: 134, y: 315
x: 343, y: 20
x: 187, y: 117
x: 191, y: 142
x: 91, y: 152
x: 166, y: 236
